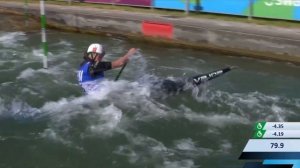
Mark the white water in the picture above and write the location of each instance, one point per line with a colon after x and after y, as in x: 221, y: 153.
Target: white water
x: 124, y: 108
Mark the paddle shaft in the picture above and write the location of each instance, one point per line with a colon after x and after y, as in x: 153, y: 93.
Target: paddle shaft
x: 119, y: 74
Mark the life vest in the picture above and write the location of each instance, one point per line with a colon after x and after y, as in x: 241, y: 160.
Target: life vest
x: 88, y: 82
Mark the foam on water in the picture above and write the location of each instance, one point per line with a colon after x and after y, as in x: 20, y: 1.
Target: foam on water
x: 107, y: 120
x: 225, y: 147
x: 26, y: 73
x: 186, y: 144
x: 40, y: 53
x: 11, y: 39
x: 102, y: 110
x: 63, y: 43
x: 29, y: 72
x: 50, y: 134
x: 30, y: 91
x: 154, y: 151
x: 217, y: 120
x: 136, y: 72
x: 17, y: 108
x: 278, y: 112
x: 190, y: 148
x: 187, y: 163
x: 253, y: 106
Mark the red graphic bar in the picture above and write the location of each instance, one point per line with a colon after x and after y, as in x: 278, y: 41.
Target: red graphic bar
x: 157, y: 29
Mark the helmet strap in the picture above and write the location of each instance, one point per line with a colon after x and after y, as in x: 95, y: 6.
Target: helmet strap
x: 92, y: 56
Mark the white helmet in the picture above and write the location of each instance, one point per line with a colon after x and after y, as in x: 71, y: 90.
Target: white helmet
x: 96, y: 48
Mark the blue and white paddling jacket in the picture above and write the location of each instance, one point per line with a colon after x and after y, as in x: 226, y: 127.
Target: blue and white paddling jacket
x: 90, y: 76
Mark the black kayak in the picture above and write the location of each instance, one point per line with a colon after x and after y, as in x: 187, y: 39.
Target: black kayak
x: 175, y: 86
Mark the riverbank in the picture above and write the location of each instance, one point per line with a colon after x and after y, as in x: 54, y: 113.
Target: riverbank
x: 227, y: 37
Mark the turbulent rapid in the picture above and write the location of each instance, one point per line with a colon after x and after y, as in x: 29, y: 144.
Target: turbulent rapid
x: 47, y: 121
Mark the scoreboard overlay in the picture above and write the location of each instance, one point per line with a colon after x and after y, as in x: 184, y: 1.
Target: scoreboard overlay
x: 276, y: 144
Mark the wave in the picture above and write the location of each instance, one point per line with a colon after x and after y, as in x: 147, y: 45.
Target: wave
x: 253, y: 106
x: 11, y: 39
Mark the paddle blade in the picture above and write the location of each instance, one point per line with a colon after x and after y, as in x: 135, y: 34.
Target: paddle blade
x: 197, y: 80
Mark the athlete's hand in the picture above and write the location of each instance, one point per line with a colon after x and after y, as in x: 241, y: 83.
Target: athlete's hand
x: 131, y: 51
x: 129, y: 54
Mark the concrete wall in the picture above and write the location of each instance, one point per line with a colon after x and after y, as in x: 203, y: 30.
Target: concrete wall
x: 218, y: 36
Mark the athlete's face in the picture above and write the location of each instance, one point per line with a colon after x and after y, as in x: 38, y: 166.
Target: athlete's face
x: 99, y: 57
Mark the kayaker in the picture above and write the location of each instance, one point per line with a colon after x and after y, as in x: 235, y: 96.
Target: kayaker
x: 91, y: 71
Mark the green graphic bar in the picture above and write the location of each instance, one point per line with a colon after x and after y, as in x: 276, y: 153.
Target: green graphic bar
x: 260, y: 125
x: 277, y: 125
x: 259, y: 134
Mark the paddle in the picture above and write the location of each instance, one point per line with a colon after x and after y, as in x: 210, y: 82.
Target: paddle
x: 130, y: 52
x: 197, y: 80
x: 119, y: 74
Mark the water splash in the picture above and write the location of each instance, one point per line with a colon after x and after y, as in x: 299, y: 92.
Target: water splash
x: 254, y: 105
x: 11, y: 39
